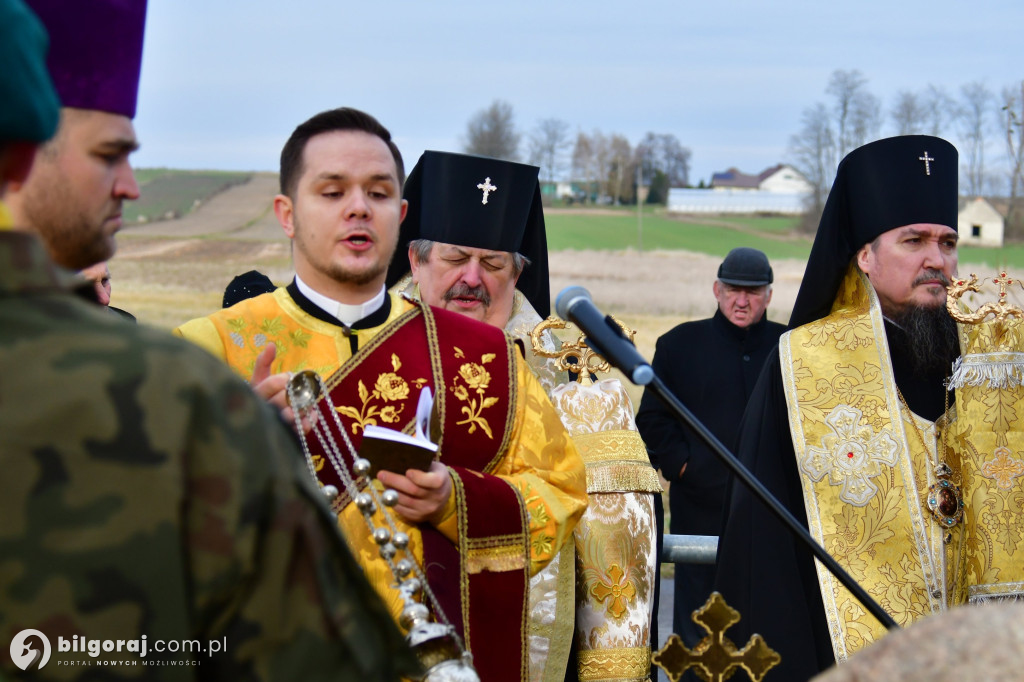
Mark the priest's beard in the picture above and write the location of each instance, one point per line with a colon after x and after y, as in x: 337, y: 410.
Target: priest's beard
x: 932, y: 335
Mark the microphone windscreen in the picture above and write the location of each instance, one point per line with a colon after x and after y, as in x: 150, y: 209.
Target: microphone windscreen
x: 566, y: 297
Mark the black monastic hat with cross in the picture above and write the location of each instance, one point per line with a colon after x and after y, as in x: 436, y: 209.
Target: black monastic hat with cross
x: 481, y: 203
x: 878, y: 187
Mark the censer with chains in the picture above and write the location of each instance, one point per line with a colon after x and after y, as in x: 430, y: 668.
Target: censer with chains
x: 436, y: 643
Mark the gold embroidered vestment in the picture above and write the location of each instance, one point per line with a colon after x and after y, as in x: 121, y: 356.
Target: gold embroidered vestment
x: 541, y: 462
x: 865, y: 463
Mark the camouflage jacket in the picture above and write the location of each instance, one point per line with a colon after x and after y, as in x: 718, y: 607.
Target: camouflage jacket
x: 148, y: 498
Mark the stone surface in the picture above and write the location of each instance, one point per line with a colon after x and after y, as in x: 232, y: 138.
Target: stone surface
x: 967, y: 643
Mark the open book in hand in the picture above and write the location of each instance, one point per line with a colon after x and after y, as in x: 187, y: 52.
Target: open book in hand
x: 391, y: 450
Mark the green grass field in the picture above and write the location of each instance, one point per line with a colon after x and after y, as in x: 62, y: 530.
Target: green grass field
x: 165, y: 191
x: 775, y: 235
x: 601, y: 231
x: 604, y: 229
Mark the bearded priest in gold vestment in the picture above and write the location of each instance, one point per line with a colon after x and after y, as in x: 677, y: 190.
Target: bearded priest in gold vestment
x: 844, y: 424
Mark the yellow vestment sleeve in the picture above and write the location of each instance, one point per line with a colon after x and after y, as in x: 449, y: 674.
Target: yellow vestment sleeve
x: 545, y: 467
x: 203, y: 333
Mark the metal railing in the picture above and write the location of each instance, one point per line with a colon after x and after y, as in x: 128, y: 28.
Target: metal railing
x: 689, y: 549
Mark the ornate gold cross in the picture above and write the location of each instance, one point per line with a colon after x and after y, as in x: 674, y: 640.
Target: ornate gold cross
x: 1003, y: 281
x: 716, y: 658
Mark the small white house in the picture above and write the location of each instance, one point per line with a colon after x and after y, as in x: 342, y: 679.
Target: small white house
x: 780, y: 179
x: 780, y: 189
x: 979, y: 224
x: 784, y: 179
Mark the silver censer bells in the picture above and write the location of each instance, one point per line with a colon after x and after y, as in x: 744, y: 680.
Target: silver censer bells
x: 435, y: 643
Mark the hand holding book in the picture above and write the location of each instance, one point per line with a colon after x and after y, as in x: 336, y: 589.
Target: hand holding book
x: 391, y: 450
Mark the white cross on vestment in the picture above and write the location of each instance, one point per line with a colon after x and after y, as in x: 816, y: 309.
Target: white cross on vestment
x: 487, y: 187
x: 927, y: 163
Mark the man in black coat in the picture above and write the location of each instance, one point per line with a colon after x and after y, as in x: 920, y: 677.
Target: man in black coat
x: 711, y: 366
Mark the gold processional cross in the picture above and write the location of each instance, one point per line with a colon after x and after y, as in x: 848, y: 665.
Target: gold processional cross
x: 716, y: 658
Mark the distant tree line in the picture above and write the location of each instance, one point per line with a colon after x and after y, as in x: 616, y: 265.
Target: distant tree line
x: 604, y: 166
x: 852, y: 116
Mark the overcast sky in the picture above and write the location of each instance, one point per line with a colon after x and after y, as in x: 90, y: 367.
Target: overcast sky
x: 224, y: 82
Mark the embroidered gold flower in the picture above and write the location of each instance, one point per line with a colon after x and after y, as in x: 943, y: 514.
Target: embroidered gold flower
x: 542, y: 545
x: 391, y: 387
x: 475, y: 379
x: 899, y: 597
x: 615, y: 589
x: 300, y: 337
x: 272, y: 326
x: 846, y: 528
x: 535, y: 505
x: 475, y: 376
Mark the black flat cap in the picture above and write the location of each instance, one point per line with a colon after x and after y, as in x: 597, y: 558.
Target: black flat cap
x: 745, y: 267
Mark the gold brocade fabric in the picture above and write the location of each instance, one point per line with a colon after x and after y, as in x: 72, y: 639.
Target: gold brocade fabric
x: 865, y: 464
x: 615, y: 557
x: 599, y: 417
x: 989, y: 437
x: 615, y: 539
x: 548, y: 477
x: 595, y: 664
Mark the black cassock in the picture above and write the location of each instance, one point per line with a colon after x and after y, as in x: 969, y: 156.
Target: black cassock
x: 763, y: 572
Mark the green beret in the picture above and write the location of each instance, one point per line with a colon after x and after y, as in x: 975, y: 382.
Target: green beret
x: 29, y: 108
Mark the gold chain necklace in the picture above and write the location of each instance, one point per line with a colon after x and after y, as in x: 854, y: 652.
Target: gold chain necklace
x: 944, y: 498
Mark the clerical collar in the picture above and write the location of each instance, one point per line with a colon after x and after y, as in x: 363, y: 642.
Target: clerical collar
x: 343, y: 312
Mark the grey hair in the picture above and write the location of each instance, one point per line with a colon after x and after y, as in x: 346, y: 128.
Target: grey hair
x: 421, y: 249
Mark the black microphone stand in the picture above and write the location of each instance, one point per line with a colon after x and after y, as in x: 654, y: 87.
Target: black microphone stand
x: 755, y: 486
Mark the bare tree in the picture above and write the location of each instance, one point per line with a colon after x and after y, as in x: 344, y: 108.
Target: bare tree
x: 857, y: 111
x: 583, y: 166
x: 549, y: 143
x: 663, y: 152
x: 602, y: 160
x: 972, y: 117
x: 620, y: 167
x: 909, y: 114
x: 1013, y: 122
x: 941, y: 109
x: 664, y: 163
x: 866, y: 122
x: 492, y: 132
x: 813, y: 150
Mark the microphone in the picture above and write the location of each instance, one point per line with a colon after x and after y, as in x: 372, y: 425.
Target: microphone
x: 575, y: 304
